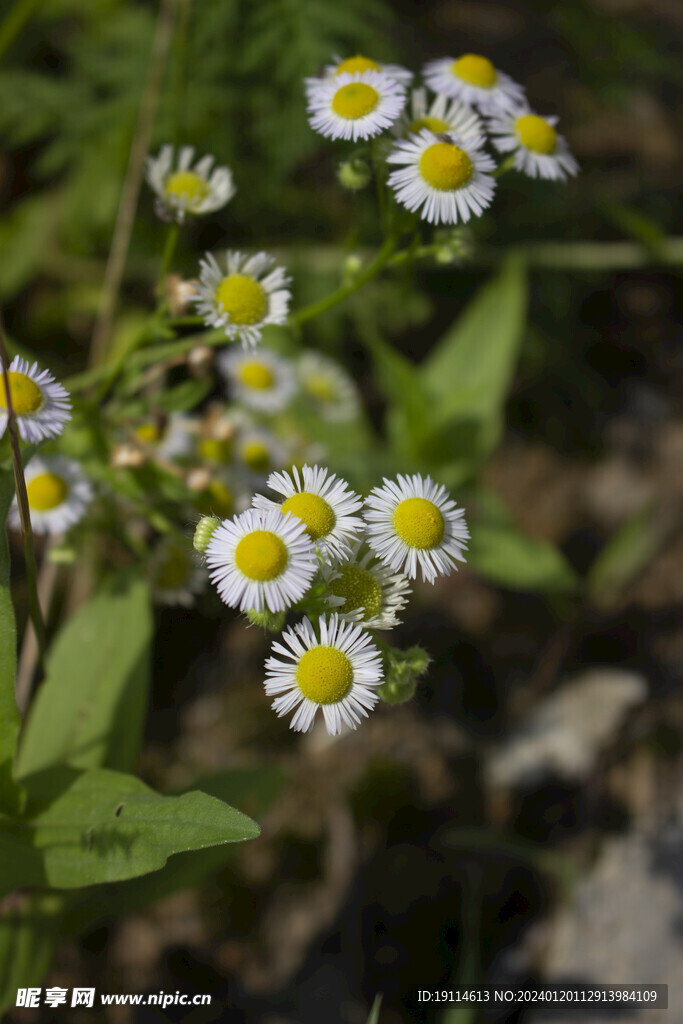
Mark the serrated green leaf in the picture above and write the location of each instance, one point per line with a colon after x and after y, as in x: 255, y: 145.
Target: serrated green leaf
x: 504, y: 554
x: 89, y: 711
x: 9, y: 714
x: 86, y: 828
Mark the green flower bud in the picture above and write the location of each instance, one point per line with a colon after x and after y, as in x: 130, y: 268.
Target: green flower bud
x: 403, y: 670
x: 206, y: 528
x: 272, y: 622
x: 354, y: 174
x: 64, y: 554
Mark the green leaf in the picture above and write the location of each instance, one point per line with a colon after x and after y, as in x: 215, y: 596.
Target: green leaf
x: 624, y: 555
x: 29, y: 932
x: 467, y: 376
x: 85, y: 828
x: 408, y: 414
x: 185, y: 396
x: 504, y: 554
x: 9, y: 714
x: 374, y: 1012
x: 89, y: 711
x: 254, y: 789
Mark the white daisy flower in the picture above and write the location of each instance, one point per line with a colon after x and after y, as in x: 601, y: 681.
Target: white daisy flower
x: 539, y: 151
x: 41, y: 405
x: 262, y: 380
x: 329, y: 388
x: 323, y: 502
x: 364, y: 590
x: 443, y: 176
x: 261, y: 561
x: 58, y: 492
x: 411, y: 521
x: 350, y: 65
x: 474, y: 80
x: 177, y: 577
x: 259, y: 451
x: 183, y: 189
x: 242, y: 299
x: 339, y: 672
x: 443, y: 114
x: 354, y: 106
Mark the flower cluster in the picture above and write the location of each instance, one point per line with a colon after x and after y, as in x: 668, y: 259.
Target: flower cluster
x: 440, y: 167
x: 57, y: 489
x: 317, y: 547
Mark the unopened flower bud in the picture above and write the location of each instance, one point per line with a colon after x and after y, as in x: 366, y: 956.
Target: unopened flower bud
x: 403, y: 670
x: 127, y: 456
x: 206, y: 528
x: 179, y: 293
x: 354, y: 174
x: 198, y: 478
x: 272, y: 622
x: 200, y: 361
x: 353, y: 265
x: 63, y: 554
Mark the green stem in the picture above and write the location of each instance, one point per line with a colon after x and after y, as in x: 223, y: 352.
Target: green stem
x: 12, y: 25
x: 24, y: 510
x: 507, y: 164
x: 167, y: 255
x: 370, y: 272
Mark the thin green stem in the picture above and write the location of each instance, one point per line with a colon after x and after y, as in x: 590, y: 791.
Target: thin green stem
x: 507, y: 164
x: 24, y: 510
x: 167, y: 255
x: 370, y: 272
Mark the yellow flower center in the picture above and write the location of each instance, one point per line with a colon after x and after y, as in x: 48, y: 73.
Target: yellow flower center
x: 355, y: 100
x: 174, y: 570
x: 46, y: 491
x: 256, y: 456
x: 26, y: 395
x: 360, y: 589
x: 148, y: 432
x: 320, y: 387
x: 357, y: 63
x: 435, y: 124
x: 187, y: 187
x: 214, y: 450
x: 324, y: 675
x: 313, y: 511
x: 536, y: 134
x: 217, y: 500
x: 475, y: 70
x: 242, y: 298
x: 256, y: 375
x: 419, y: 523
x: 261, y: 555
x: 445, y: 166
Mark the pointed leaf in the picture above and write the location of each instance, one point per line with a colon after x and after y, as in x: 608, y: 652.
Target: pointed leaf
x: 89, y: 711
x: 85, y: 828
x: 467, y: 375
x: 505, y: 554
